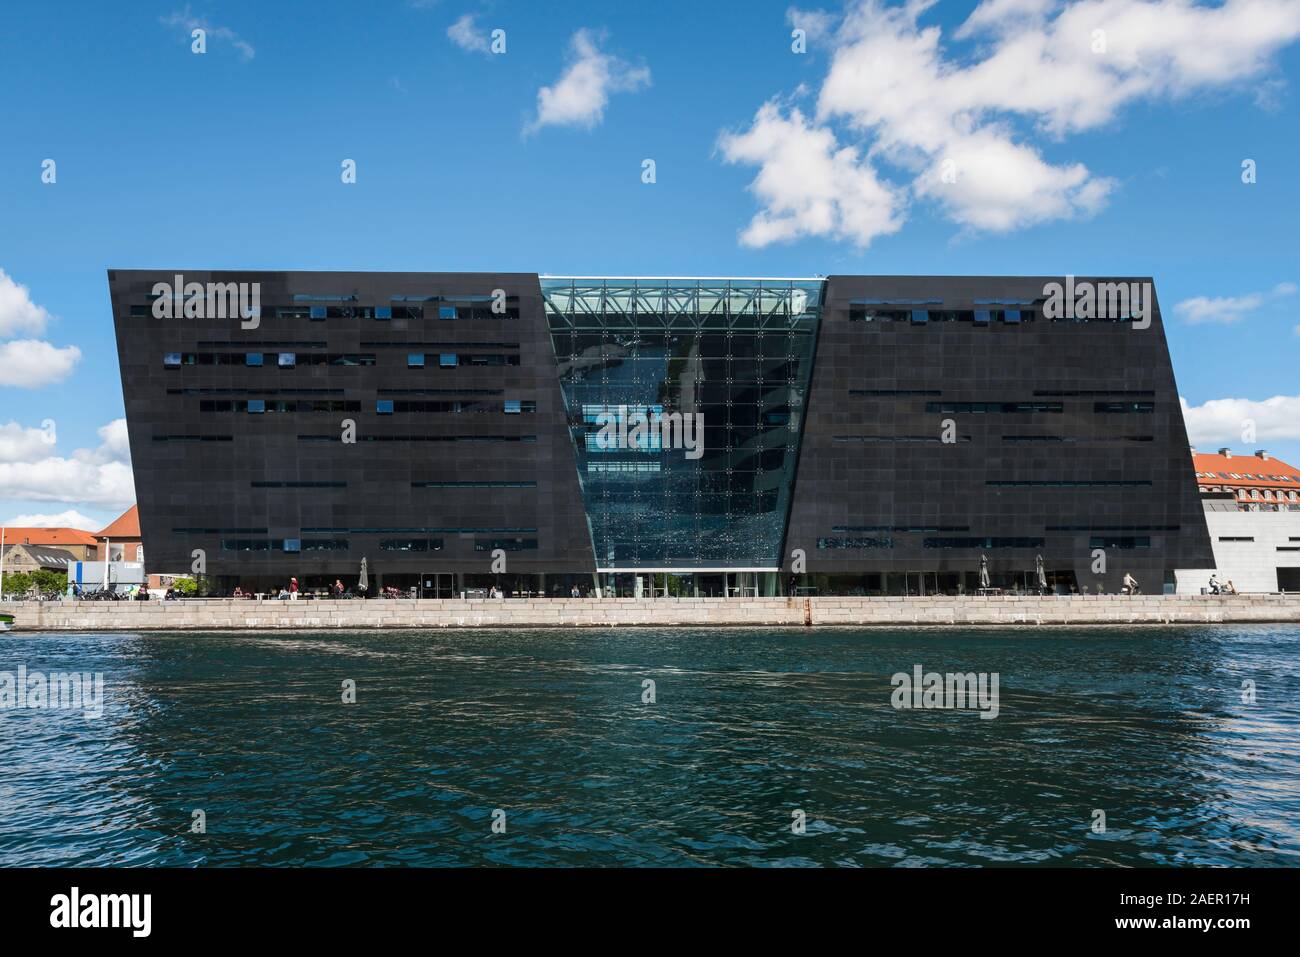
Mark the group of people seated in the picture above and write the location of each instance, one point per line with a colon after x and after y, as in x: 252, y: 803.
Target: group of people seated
x: 1218, y: 588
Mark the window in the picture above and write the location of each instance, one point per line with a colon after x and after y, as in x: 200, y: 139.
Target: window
x: 292, y: 545
x: 447, y: 360
x: 383, y: 313
x: 256, y: 405
x: 1011, y: 315
x: 920, y: 315
x: 317, y: 313
x: 415, y: 360
x: 512, y: 406
x: 253, y: 359
x: 384, y: 406
x: 1236, y: 538
x: 446, y: 312
x: 288, y: 360
x: 982, y: 316
x: 172, y: 360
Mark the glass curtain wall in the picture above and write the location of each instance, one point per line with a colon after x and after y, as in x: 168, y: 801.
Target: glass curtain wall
x: 685, y: 404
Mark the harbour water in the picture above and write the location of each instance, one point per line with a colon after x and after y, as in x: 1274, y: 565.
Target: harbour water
x: 747, y: 728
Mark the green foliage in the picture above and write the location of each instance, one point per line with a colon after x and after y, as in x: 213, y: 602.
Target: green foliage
x: 185, y: 587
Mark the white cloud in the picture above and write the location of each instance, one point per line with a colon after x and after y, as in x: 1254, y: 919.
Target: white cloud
x: 816, y: 24
x: 1228, y: 309
x: 20, y: 444
x: 31, y: 363
x: 465, y: 34
x: 1224, y: 420
x: 1033, y: 75
x: 808, y: 185
x: 100, y: 476
x: 190, y: 23
x: 69, y: 519
x: 18, y: 314
x: 579, y: 96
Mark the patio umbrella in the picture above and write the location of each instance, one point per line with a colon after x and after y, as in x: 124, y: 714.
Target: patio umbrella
x: 363, y: 583
x: 1042, y: 574
x: 984, y: 571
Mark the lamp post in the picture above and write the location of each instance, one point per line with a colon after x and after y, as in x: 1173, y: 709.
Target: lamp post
x: 2, y: 561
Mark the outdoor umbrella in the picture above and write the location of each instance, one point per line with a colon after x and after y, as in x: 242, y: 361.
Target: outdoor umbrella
x: 363, y: 583
x: 1042, y: 574
x: 984, y: 571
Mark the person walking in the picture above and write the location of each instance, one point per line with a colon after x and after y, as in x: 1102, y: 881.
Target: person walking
x: 293, y: 589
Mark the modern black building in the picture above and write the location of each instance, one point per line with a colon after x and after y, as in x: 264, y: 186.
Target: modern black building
x: 855, y: 434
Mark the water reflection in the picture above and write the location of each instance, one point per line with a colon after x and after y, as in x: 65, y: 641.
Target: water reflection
x: 748, y: 726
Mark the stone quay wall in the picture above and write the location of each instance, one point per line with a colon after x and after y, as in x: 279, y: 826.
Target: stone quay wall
x: 226, y: 614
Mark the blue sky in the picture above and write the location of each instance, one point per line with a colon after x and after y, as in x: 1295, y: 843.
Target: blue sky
x: 1126, y: 161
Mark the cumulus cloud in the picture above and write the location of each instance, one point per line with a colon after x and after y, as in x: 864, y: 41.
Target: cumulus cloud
x: 965, y: 132
x: 69, y: 519
x: 1224, y: 420
x: 466, y: 35
x: 809, y: 185
x: 28, y: 363
x: 1199, y: 310
x: 99, y: 476
x: 190, y: 23
x: 580, y: 95
x: 32, y: 363
x: 18, y: 314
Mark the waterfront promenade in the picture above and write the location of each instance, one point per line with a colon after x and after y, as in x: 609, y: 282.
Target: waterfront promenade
x: 201, y: 614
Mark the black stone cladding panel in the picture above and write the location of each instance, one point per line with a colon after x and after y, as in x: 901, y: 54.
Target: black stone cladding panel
x: 876, y: 463
x: 196, y: 462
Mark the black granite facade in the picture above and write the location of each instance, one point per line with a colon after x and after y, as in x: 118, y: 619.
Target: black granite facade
x: 1066, y: 437
x: 433, y: 486
x: 947, y: 418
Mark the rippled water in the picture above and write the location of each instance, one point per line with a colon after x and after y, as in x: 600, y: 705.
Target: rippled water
x: 749, y: 725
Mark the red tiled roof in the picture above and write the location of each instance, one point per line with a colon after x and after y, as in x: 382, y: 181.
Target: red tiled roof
x: 16, y: 535
x: 126, y: 525
x: 1249, y: 471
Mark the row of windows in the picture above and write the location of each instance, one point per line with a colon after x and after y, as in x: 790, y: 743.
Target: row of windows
x: 1247, y: 476
x: 1119, y: 541
x: 422, y: 438
x: 987, y: 542
x: 898, y: 438
x: 421, y: 531
x: 284, y: 360
x: 296, y: 545
x: 509, y: 406
x: 864, y: 312
x: 451, y: 360
x: 289, y: 545
x: 937, y: 542
x: 886, y: 392
x: 445, y: 313
x: 473, y: 485
x: 258, y: 392
x: 291, y: 360
x: 258, y: 406
x: 900, y: 528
